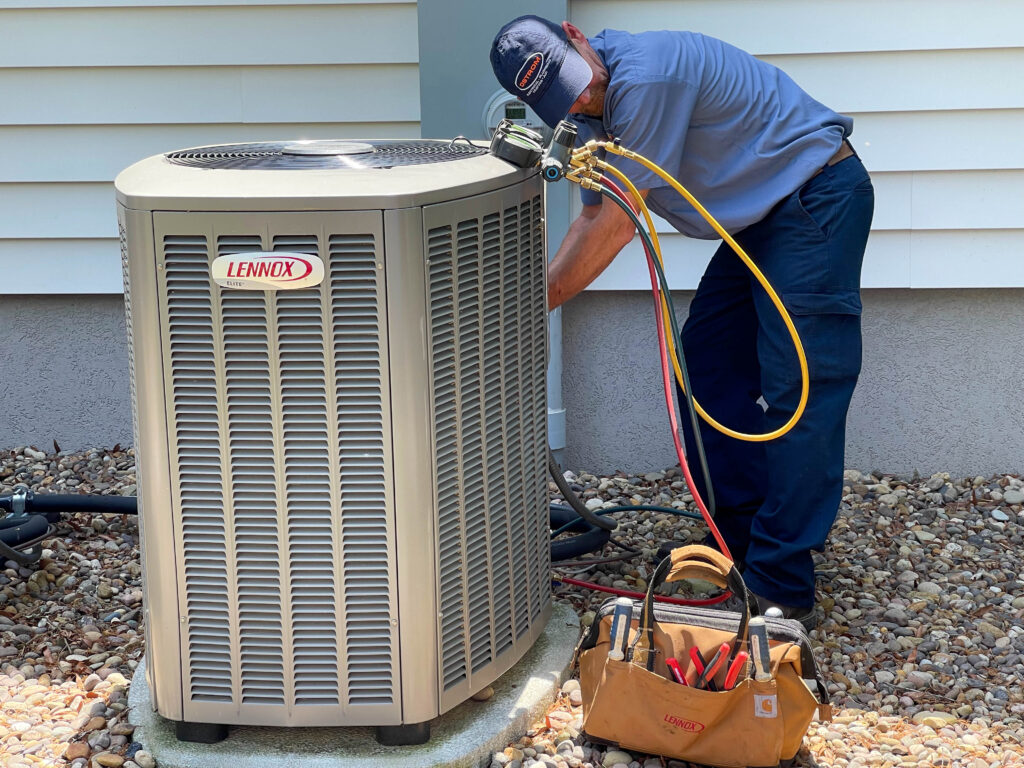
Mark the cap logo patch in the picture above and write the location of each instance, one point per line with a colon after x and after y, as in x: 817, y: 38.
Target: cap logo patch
x: 526, y: 73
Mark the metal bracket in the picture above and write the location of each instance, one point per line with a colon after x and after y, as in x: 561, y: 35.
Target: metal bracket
x: 19, y: 501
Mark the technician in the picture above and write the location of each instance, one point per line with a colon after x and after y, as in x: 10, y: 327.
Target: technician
x: 775, y: 168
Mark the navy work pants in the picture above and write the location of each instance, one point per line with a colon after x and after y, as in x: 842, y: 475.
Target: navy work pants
x: 777, y: 500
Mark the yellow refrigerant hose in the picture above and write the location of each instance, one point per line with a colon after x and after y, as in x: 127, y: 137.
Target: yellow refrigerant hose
x: 584, y: 163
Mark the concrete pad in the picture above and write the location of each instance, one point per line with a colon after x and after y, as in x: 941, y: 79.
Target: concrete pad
x: 465, y: 737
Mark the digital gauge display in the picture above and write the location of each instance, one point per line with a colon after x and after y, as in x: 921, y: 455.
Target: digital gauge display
x: 515, y: 111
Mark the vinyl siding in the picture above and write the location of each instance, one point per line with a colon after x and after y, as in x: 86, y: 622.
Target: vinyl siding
x: 88, y: 88
x: 938, y: 111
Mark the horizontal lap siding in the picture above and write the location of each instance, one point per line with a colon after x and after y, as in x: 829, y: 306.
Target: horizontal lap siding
x: 91, y: 87
x: 189, y: 95
x: 938, y: 111
x: 75, y: 153
x: 208, y: 36
x: 816, y: 26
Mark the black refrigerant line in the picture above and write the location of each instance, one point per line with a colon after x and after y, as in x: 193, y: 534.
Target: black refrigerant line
x: 27, y: 518
x: 56, y: 503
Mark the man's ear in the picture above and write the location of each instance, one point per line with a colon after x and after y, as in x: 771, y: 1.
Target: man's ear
x: 573, y: 33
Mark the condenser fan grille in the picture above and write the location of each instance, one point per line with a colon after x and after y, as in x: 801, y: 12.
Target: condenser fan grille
x: 282, y: 155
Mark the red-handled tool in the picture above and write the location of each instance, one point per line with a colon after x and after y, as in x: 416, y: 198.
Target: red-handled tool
x: 677, y: 671
x: 696, y: 666
x: 734, y: 670
x: 720, y: 657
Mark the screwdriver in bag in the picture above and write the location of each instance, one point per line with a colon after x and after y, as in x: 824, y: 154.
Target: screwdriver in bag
x: 759, y: 649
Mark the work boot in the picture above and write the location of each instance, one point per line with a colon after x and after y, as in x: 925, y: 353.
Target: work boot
x: 805, y: 615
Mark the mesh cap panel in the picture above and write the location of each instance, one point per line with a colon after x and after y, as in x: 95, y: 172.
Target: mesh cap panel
x: 291, y: 155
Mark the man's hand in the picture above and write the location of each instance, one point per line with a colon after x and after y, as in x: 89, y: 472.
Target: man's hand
x: 593, y: 241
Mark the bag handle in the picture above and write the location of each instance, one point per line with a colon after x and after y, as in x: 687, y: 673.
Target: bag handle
x: 694, y: 562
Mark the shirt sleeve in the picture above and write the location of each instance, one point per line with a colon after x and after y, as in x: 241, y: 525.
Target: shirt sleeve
x: 651, y: 117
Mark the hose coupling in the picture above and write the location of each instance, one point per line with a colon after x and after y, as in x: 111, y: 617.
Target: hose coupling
x: 589, y: 182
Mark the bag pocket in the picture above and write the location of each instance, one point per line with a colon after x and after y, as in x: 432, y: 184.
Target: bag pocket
x: 627, y: 705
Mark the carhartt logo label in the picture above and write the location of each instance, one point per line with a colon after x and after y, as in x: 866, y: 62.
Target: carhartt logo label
x: 690, y: 726
x: 528, y: 70
x: 766, y: 706
x: 267, y: 271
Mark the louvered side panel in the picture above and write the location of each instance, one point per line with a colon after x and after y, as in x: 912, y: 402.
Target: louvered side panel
x: 472, y: 502
x: 515, y: 470
x: 308, y: 492
x: 281, y: 462
x: 500, y: 559
x: 131, y: 339
x: 196, y: 446
x: 131, y: 363
x: 527, y: 386
x: 357, y: 290
x: 537, y: 501
x: 441, y: 289
x: 485, y: 296
x: 250, y: 396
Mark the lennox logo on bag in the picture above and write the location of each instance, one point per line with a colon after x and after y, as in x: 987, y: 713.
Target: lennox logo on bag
x: 690, y: 726
x: 267, y: 271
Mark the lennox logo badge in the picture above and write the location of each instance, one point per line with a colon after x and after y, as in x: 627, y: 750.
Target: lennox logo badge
x: 529, y: 69
x: 267, y: 271
x: 690, y: 726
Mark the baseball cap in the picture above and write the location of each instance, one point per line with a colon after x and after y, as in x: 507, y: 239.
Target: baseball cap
x: 533, y: 60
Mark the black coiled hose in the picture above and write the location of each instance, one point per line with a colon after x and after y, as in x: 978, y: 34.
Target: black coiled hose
x: 573, y: 500
x: 30, y: 518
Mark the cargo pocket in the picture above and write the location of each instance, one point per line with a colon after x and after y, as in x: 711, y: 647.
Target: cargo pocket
x: 829, y: 326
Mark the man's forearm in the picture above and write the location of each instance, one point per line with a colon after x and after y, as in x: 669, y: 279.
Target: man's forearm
x: 588, y: 248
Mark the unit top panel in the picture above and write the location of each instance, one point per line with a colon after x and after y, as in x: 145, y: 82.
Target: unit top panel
x: 314, y: 175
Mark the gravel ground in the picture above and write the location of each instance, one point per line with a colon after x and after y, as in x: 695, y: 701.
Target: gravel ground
x: 920, y: 595
x: 70, y: 627
x: 921, y: 604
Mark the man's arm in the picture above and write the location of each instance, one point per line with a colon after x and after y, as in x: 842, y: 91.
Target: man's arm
x: 593, y: 241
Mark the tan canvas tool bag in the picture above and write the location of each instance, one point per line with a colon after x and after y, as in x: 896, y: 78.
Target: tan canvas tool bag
x: 637, y: 704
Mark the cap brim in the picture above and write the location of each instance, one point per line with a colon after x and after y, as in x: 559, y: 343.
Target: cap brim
x: 573, y: 78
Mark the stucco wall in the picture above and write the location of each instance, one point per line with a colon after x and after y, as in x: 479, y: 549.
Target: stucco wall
x: 65, y: 372
x: 940, y: 390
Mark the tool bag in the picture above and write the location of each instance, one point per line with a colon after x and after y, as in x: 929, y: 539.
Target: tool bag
x: 636, y: 703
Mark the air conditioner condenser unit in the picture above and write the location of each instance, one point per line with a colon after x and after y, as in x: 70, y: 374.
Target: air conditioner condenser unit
x: 338, y: 355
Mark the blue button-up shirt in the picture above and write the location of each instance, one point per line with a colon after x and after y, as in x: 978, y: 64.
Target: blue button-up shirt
x: 736, y: 132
